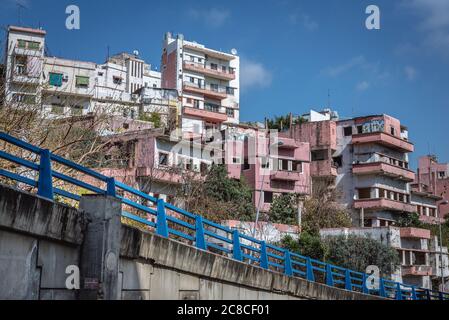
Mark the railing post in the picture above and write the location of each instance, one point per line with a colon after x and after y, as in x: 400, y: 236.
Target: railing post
x: 110, y: 187
x: 236, y: 248
x: 329, y: 277
x: 440, y: 295
x: 263, y: 255
x: 288, y: 269
x: 199, y: 233
x: 382, y: 292
x: 364, y: 286
x: 161, y: 223
x: 45, y: 183
x: 348, y: 282
x: 414, y: 297
x: 309, y: 270
x: 398, y: 291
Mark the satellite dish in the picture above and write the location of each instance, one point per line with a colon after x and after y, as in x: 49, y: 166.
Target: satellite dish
x: 136, y: 53
x: 234, y: 51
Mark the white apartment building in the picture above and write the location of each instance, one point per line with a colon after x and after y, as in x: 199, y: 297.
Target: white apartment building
x: 64, y: 87
x: 207, y: 81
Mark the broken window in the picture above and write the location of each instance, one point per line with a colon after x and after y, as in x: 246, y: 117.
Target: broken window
x: 319, y: 155
x: 163, y: 159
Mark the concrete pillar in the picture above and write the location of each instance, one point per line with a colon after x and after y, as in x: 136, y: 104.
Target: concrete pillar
x: 101, y: 248
x: 362, y: 217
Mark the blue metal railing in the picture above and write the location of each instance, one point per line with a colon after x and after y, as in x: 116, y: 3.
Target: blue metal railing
x: 170, y: 221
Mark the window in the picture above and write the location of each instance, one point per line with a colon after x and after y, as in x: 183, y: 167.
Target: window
x: 230, y: 91
x: 117, y: 80
x: 246, y: 164
x: 347, y: 131
x: 189, y: 100
x: 32, y: 45
x: 264, y: 162
x: 21, y: 43
x: 192, y: 79
x: 359, y: 129
x: 319, y: 155
x: 365, y: 193
x: 297, y: 166
x: 230, y: 112
x: 338, y: 161
x: 57, y: 109
x: 203, y: 168
x: 214, y: 87
x: 82, y: 82
x: 392, y: 131
x: 441, y: 175
x: 21, y: 65
x: 55, y: 79
x: 192, y: 58
x: 163, y: 159
x: 268, y: 197
x: 76, y: 110
x: 223, y: 68
x: 212, y: 107
x: 213, y: 66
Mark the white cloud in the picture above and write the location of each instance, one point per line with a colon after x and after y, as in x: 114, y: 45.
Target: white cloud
x: 410, y: 73
x: 344, y: 67
x: 362, y: 86
x: 254, y: 75
x: 305, y: 20
x: 434, y: 22
x: 212, y: 17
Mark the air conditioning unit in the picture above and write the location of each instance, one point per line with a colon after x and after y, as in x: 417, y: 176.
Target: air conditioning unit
x: 65, y: 78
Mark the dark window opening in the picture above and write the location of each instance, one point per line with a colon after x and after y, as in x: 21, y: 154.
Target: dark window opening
x: 268, y: 197
x: 347, y: 131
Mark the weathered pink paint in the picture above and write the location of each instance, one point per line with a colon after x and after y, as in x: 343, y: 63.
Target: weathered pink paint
x: 422, y: 270
x: 385, y: 169
x: 415, y: 233
x: 205, y: 114
x: 200, y: 68
x: 428, y: 174
x: 383, y: 138
x: 380, y: 203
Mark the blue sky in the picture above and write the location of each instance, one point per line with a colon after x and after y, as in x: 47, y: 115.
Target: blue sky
x: 292, y: 52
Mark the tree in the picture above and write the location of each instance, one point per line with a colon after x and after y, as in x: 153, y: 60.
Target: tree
x: 307, y: 245
x: 284, y: 209
x: 217, y: 196
x: 322, y: 210
x: 409, y: 220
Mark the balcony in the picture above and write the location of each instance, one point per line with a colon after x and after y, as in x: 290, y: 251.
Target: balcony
x: 286, y: 175
x: 205, y: 114
x: 214, y: 73
x: 24, y: 78
x: 384, y: 139
x: 416, y: 270
x: 288, y: 143
x: 207, y: 91
x: 384, y: 169
x: 386, y: 204
x: 415, y: 233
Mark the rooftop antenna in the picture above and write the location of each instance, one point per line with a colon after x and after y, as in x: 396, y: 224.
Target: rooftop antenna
x: 328, y: 98
x: 20, y: 6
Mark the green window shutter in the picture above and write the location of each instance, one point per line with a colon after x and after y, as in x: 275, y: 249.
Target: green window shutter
x: 56, y: 79
x: 21, y: 43
x: 82, y: 81
x: 33, y: 45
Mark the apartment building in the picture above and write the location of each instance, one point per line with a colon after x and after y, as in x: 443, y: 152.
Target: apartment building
x: 64, y: 87
x: 412, y: 245
x: 435, y: 176
x: 270, y: 162
x: 207, y: 81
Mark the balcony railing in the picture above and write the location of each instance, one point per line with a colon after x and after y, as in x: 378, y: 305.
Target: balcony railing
x: 415, y: 233
x: 383, y: 203
x: 418, y: 270
x: 207, y: 70
x: 205, y: 114
x: 383, y: 139
x: 206, y: 90
x: 286, y: 175
x: 384, y: 169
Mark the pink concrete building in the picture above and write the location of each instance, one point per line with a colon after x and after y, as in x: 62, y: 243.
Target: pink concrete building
x: 435, y: 177
x: 271, y: 163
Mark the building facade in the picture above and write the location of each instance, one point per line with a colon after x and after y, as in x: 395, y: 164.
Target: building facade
x: 125, y: 85
x: 207, y: 81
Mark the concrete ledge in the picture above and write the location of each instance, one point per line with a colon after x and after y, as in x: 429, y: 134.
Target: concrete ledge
x: 170, y: 254
x: 30, y: 214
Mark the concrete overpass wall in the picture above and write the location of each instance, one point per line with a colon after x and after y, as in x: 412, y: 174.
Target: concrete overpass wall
x: 39, y: 239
